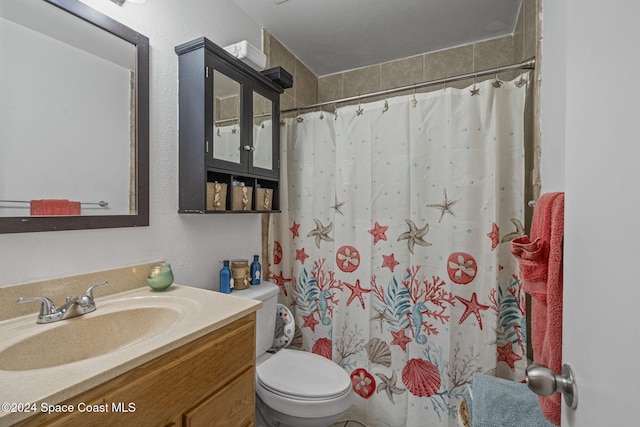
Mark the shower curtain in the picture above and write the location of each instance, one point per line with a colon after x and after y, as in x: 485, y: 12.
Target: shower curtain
x: 392, y: 245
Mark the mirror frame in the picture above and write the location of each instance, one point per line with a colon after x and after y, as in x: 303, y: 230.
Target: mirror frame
x: 141, y: 217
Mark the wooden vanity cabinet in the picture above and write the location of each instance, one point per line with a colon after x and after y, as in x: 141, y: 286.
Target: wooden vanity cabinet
x: 229, y: 130
x: 207, y: 382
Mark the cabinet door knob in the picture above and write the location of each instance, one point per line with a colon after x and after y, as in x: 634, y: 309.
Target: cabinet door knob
x: 249, y: 148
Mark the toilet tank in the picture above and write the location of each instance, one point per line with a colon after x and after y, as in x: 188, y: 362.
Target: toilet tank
x: 267, y: 292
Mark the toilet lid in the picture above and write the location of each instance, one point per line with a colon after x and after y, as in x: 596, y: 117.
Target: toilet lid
x: 303, y: 374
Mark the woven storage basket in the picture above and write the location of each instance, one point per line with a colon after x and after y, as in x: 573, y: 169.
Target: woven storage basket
x: 264, y: 199
x: 216, y: 196
x: 242, y: 198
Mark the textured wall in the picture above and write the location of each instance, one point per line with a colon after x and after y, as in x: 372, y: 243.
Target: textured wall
x: 193, y: 244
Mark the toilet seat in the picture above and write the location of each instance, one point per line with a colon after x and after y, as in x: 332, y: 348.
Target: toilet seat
x: 300, y: 398
x: 300, y: 384
x: 302, y: 375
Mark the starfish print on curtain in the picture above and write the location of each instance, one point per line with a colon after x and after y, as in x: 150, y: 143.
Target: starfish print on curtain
x: 321, y: 232
x: 415, y: 236
x: 445, y: 206
x: 389, y: 385
x: 337, y: 206
x: 494, y: 235
x: 295, y: 230
x: 356, y: 292
x: 472, y: 307
x: 389, y: 261
x: 519, y: 231
x: 410, y: 306
x: 378, y: 232
x: 301, y: 255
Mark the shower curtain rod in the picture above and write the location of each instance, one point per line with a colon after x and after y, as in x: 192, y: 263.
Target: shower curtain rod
x: 528, y: 64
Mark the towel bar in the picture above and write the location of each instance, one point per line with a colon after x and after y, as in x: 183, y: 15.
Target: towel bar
x: 101, y: 203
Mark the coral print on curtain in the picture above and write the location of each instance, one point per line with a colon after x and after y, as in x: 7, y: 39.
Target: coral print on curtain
x: 392, y: 246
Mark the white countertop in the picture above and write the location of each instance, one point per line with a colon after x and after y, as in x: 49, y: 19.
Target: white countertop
x: 200, y: 312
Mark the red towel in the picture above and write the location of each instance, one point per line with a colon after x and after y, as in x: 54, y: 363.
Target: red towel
x: 54, y: 207
x: 540, y: 258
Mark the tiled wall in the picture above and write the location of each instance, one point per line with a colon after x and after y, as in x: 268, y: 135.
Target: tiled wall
x: 305, y: 83
x: 417, y: 69
x: 524, y: 37
x: 526, y: 44
x: 309, y: 89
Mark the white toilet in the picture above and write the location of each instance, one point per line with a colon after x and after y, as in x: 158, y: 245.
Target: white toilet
x: 293, y: 388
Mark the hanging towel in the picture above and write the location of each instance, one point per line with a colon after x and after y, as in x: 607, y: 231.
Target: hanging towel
x: 54, y: 207
x: 540, y: 259
x: 497, y: 402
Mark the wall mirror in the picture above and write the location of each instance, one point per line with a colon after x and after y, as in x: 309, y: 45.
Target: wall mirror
x: 74, y: 119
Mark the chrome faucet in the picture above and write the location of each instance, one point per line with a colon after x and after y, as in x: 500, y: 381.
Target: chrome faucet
x: 72, y: 307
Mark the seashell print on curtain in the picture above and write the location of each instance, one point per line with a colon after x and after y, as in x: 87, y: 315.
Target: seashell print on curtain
x: 392, y: 248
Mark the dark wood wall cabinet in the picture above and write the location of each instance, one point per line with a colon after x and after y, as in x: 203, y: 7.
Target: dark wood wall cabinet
x: 229, y: 133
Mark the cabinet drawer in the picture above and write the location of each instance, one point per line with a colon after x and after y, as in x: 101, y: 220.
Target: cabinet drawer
x: 232, y: 405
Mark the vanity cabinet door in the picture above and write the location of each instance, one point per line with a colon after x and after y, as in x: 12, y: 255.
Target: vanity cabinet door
x: 238, y: 409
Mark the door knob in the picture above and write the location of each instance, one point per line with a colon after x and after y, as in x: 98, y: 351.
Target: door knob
x: 542, y: 381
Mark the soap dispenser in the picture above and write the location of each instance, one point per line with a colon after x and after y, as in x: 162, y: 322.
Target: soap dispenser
x: 225, y: 278
x: 256, y: 271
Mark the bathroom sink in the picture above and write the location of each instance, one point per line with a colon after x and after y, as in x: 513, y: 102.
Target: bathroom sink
x: 85, y: 337
x: 55, y: 361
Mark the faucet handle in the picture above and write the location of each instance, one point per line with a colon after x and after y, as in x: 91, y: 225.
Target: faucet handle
x: 47, y: 308
x: 87, y: 297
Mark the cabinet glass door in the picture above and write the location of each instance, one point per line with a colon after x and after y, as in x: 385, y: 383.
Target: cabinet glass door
x: 262, y: 132
x: 226, y: 112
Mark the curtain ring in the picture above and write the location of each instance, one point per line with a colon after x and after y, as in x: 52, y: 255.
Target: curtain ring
x: 335, y: 111
x: 299, y: 119
x: 360, y: 110
x: 386, y: 103
x: 414, y: 101
x: 475, y: 90
x: 497, y: 83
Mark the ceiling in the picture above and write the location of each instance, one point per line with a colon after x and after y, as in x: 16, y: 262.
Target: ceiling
x: 330, y: 36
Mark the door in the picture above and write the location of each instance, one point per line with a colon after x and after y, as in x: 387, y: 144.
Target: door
x: 228, y: 102
x: 601, y: 135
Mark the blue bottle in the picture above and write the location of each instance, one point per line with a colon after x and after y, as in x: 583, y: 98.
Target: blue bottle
x: 256, y: 271
x: 225, y: 278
